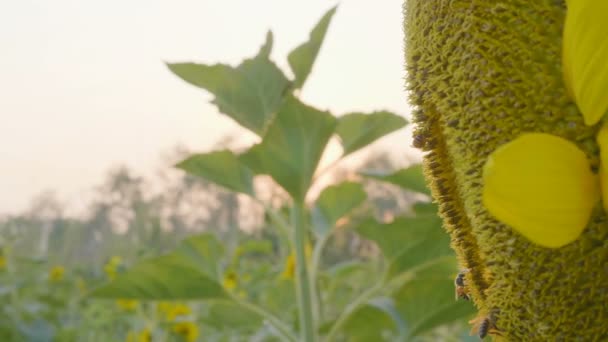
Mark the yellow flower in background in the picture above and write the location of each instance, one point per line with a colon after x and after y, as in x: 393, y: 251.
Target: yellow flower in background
x: 127, y: 304
x: 585, y: 56
x: 56, y: 273
x: 163, y: 306
x: 289, y: 270
x: 542, y: 186
x: 178, y: 310
x: 81, y: 284
x: 112, y: 266
x: 2, y: 262
x: 142, y: 336
x: 187, y: 330
x: 230, y: 281
x: 173, y: 310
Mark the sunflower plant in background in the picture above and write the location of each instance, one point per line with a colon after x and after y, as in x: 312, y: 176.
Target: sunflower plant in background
x: 305, y: 297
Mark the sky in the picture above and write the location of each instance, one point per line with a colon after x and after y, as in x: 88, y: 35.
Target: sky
x: 84, y: 86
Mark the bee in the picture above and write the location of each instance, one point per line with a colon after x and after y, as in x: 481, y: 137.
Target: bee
x: 484, y: 326
x: 459, y: 286
x: 419, y: 140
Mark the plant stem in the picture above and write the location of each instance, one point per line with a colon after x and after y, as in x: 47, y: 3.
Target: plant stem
x: 314, y: 273
x: 303, y: 281
x: 317, y: 253
x: 280, y: 222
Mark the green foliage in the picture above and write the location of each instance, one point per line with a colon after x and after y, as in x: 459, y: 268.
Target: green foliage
x: 357, y: 130
x: 335, y: 202
x: 166, y: 277
x: 250, y: 93
x: 221, y: 167
x: 187, y: 273
x: 302, y: 58
x: 419, y: 264
x: 402, y: 233
x: 291, y: 149
x: 411, y: 178
x: 369, y: 323
x: 228, y: 315
x: 427, y: 301
x: 408, y: 242
x: 425, y: 209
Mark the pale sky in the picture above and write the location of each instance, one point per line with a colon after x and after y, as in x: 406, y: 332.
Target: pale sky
x: 83, y: 85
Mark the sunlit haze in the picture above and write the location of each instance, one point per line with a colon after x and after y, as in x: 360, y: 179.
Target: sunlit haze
x: 84, y: 86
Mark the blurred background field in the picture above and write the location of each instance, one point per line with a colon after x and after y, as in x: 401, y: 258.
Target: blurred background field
x: 91, y: 200
x: 51, y: 260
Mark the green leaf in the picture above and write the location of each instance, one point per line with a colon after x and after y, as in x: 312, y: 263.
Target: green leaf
x: 292, y: 147
x: 204, y: 250
x: 368, y: 323
x: 229, y: 315
x: 334, y: 202
x: 279, y: 297
x: 222, y: 168
x: 187, y: 273
x: 162, y: 278
x: 250, y: 94
x: 408, y: 242
x: 401, y: 234
x: 266, y: 49
x: 422, y: 268
x: 302, y: 58
x: 411, y: 178
x: 425, y: 250
x: 426, y: 208
x: 254, y: 247
x: 357, y: 130
x: 346, y: 268
x: 427, y: 301
x: 387, y: 305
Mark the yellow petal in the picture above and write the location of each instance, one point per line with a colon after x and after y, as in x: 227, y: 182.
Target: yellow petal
x: 602, y: 141
x: 542, y: 186
x: 585, y: 57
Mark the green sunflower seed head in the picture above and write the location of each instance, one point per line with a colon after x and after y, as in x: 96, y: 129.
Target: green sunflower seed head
x: 480, y: 73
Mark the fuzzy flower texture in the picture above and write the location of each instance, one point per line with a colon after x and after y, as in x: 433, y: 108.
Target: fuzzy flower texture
x: 510, y: 100
x: 543, y: 185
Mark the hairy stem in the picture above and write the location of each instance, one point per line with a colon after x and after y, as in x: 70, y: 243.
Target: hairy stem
x: 314, y: 273
x: 304, y: 286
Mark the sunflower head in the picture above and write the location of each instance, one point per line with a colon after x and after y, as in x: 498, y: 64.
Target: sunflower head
x: 487, y: 80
